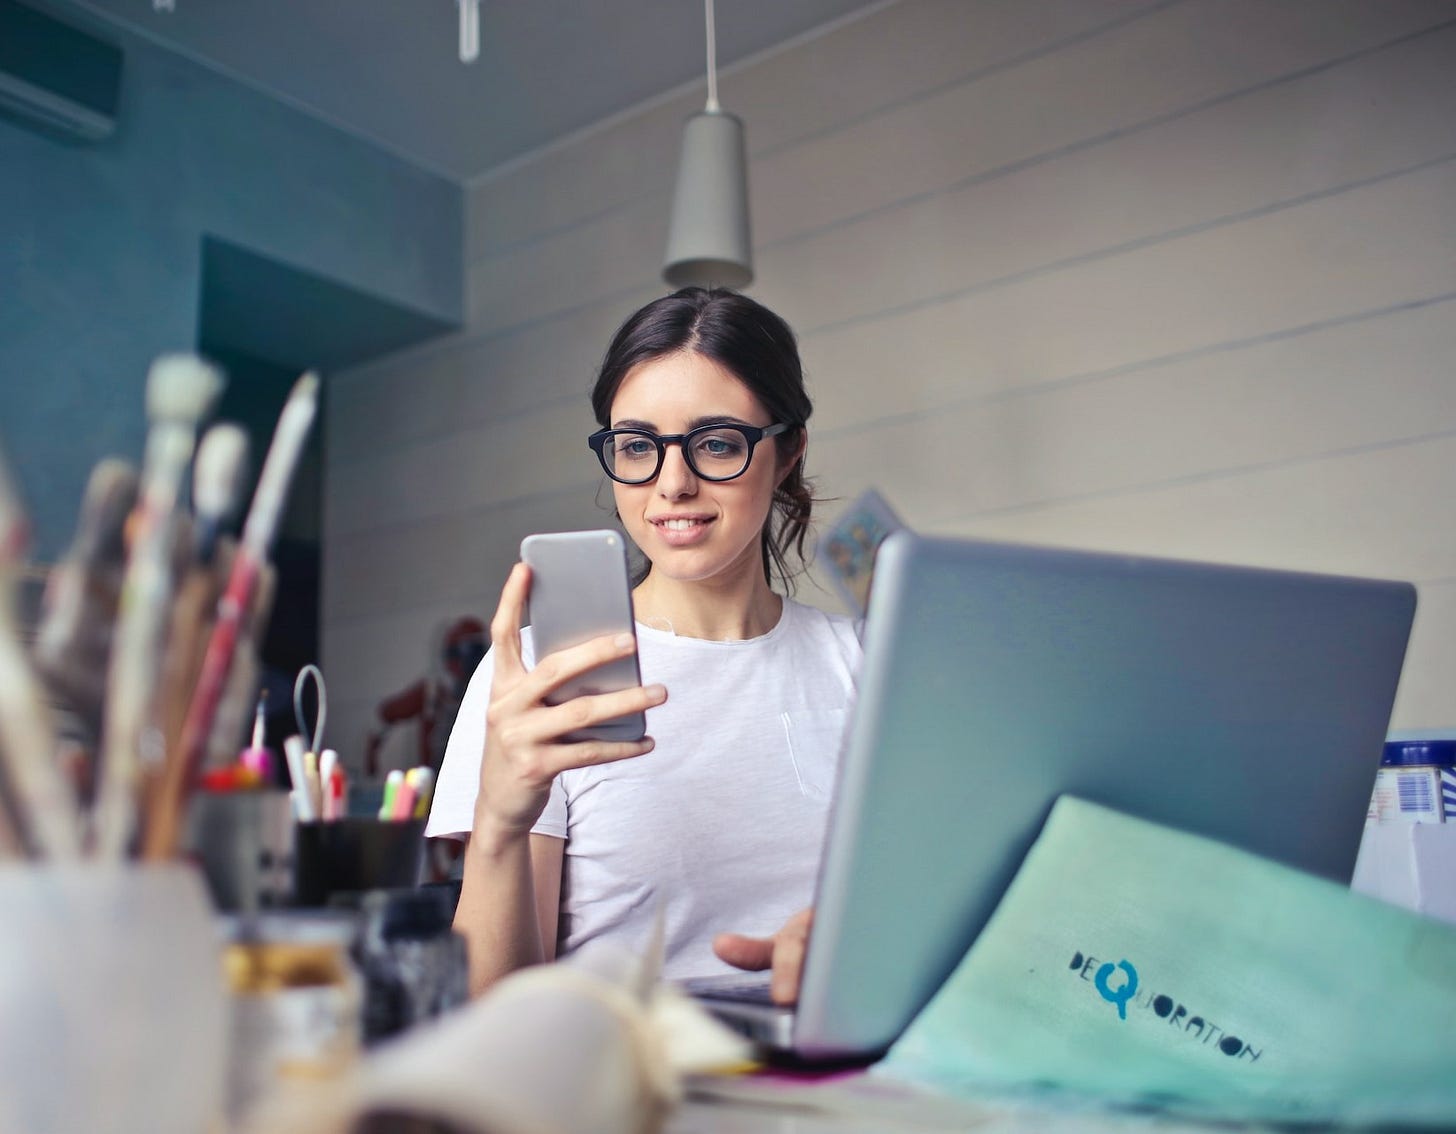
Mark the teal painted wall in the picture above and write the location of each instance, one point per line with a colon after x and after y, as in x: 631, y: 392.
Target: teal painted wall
x: 100, y: 252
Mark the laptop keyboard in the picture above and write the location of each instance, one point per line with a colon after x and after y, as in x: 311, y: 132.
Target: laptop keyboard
x: 745, y: 988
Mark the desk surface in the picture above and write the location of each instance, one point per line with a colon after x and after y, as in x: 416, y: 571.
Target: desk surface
x: 699, y: 1117
x: 749, y: 1105
x: 705, y: 1117
x: 859, y: 1105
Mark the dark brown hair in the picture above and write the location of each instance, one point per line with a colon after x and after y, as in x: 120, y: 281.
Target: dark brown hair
x: 760, y: 350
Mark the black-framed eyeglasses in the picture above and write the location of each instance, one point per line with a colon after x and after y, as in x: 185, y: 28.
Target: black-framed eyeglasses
x: 713, y: 452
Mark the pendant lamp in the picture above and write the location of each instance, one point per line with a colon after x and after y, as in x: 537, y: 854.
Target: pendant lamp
x: 708, y: 241
x: 469, y: 30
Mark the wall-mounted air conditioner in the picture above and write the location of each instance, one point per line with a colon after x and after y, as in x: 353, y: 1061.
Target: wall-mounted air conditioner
x: 55, y: 76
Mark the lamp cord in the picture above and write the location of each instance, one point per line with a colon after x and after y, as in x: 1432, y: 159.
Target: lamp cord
x: 712, y: 106
x: 311, y: 671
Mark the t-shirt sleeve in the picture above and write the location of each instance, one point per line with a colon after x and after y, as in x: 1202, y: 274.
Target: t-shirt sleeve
x: 452, y: 812
x: 553, y: 819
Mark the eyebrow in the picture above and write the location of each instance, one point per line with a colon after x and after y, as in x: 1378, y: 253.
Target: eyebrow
x: 695, y: 423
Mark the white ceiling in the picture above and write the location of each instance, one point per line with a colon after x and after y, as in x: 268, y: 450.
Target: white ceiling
x: 389, y: 71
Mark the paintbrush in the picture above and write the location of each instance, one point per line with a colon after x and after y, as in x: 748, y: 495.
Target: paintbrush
x: 73, y: 639
x: 183, y: 766
x: 181, y: 390
x: 218, y: 477
x: 230, y: 719
x: 14, y: 525
x: 11, y: 845
x: 13, y: 540
x: 217, y: 488
x: 42, y: 812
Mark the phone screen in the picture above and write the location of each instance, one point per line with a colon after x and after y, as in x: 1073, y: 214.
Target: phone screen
x: 580, y: 590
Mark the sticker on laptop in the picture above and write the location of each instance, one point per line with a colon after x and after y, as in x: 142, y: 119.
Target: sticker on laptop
x: 848, y: 548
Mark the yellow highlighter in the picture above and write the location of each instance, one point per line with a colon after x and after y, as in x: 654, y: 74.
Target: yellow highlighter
x: 424, y: 791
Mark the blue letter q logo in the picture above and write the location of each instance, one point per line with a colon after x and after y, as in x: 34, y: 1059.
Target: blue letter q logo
x: 1124, y: 992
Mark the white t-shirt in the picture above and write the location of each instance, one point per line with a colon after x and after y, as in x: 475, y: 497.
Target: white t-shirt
x: 722, y: 822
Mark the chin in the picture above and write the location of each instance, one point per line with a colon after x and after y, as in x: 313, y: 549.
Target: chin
x: 698, y: 565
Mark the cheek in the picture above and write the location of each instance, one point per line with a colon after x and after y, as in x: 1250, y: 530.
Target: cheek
x: 758, y: 499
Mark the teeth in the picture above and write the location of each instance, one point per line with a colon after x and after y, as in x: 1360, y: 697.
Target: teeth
x: 680, y: 525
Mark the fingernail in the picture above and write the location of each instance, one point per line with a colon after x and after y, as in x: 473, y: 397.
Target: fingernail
x: 623, y: 641
x: 657, y: 692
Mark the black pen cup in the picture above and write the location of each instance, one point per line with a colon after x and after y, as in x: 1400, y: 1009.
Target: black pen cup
x: 335, y: 862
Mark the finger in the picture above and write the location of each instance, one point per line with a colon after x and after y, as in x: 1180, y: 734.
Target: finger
x: 800, y: 923
x: 583, y: 712
x: 744, y: 952
x: 505, y: 624
x: 559, y: 758
x: 788, y: 965
x: 556, y: 669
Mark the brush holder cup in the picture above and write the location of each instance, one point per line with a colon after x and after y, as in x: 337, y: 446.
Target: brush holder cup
x: 111, y: 1000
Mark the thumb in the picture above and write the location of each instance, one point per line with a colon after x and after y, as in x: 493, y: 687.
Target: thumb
x: 744, y: 952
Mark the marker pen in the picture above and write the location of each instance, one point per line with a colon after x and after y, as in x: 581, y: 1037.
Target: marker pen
x: 392, y: 783
x: 424, y: 791
x: 404, y: 799
x: 294, y: 752
x: 256, y: 757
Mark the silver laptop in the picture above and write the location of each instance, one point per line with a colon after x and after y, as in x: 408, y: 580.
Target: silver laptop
x: 1243, y: 704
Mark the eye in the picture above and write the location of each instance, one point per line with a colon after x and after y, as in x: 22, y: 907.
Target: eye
x: 635, y: 448
x: 720, y: 445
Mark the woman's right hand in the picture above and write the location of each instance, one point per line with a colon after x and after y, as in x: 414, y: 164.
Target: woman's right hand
x: 523, y: 747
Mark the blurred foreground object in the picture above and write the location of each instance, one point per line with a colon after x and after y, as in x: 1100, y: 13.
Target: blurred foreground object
x: 588, y: 1046
x: 111, y: 1005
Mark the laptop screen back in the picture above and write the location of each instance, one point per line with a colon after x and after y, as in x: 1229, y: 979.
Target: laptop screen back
x: 1241, y: 704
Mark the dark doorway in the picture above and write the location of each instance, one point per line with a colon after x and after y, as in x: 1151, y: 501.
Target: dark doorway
x: 265, y: 322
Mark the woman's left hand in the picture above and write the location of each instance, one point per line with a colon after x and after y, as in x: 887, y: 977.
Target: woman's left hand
x: 783, y: 953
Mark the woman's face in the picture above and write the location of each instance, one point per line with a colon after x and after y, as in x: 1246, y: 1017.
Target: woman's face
x: 693, y: 529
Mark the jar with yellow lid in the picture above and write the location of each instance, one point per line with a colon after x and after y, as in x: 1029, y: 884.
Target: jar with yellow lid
x: 295, y: 1002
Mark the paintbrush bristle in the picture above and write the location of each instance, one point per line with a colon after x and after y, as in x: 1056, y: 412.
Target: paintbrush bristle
x: 14, y: 526
x: 111, y: 494
x: 219, y: 471
x: 181, y: 388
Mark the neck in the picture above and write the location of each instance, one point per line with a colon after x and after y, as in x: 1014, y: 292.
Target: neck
x: 718, y: 610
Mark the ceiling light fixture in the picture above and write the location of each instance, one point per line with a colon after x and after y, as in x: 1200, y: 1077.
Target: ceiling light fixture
x: 469, y: 30
x: 708, y: 241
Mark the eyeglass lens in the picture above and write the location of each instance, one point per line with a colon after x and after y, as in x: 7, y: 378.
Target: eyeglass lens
x: 714, y: 453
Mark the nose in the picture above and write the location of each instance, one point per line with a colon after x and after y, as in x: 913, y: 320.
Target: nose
x: 675, y: 480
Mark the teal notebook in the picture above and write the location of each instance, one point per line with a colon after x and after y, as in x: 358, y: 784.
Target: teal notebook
x: 1139, y: 966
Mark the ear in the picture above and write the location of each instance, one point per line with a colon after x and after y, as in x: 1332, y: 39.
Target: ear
x: 786, y: 462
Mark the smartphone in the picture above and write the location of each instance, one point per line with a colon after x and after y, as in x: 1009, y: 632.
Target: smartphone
x: 580, y: 590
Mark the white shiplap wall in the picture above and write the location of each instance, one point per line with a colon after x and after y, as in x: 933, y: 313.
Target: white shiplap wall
x: 1167, y: 277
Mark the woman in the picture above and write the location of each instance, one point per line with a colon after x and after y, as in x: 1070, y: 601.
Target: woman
x: 716, y: 818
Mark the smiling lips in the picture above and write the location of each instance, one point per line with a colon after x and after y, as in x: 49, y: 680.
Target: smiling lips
x: 680, y: 530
